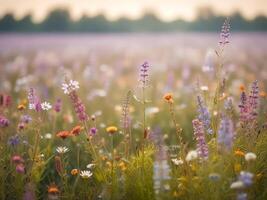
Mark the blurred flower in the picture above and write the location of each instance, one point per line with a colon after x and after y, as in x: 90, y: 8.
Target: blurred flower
x: 74, y: 172
x: 242, y: 196
x: 13, y: 140
x: 177, y: 161
x: 204, y: 115
x: 202, y: 148
x: 62, y: 150
x: 93, y: 131
x: 239, y: 153
x: 21, y: 107
x: 168, y: 97
x: 48, y: 136
x: 29, y: 192
x: 225, y: 33
x: 52, y: 189
x: 144, y: 74
x: 191, y: 155
x: 34, y: 102
x: 89, y: 166
x: 5, y: 100
x: 20, y: 168
x: 46, y: 106
x: 86, y: 174
x: 112, y: 129
x: 76, y: 130
x: 58, y: 105
x: 253, y: 101
x: 26, y: 119
x: 250, y: 156
x: 237, y: 185
x: 246, y: 178
x: 204, y: 88
x: 226, y: 133
x: 63, y: 134
x: 4, y: 122
x: 17, y: 159
x: 69, y: 87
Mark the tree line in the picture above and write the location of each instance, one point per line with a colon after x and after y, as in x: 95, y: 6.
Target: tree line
x: 59, y: 20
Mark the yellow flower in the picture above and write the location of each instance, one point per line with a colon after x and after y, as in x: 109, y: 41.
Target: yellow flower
x: 21, y: 107
x: 168, y: 97
x: 108, y: 164
x: 122, y: 166
x: 237, y: 168
x: 74, y: 172
x: 239, y: 153
x: 53, y: 189
x: 112, y: 129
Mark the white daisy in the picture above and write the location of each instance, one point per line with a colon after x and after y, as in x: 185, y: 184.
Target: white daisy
x: 62, y: 150
x: 177, y: 161
x: 74, y: 85
x: 89, y: 166
x: 46, y: 106
x: 86, y: 174
x: 48, y: 136
x: 191, y: 155
x: 65, y: 88
x: 237, y: 185
x: 250, y: 156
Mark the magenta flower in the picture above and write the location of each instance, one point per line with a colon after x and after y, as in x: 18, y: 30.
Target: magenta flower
x: 4, y: 122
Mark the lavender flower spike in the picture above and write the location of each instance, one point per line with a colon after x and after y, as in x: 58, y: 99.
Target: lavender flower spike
x: 144, y: 74
x: 204, y: 115
x: 253, y: 101
x: 243, y: 106
x: 202, y: 147
x: 226, y: 132
x: 225, y: 33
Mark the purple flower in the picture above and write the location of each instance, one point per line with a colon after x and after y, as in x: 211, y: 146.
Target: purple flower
x: 144, y: 74
x: 246, y: 178
x: 202, y: 147
x: 225, y: 33
x: 26, y: 119
x: 13, y: 140
x: 226, y: 132
x: 204, y: 115
x: 93, y: 131
x: 58, y: 105
x: 4, y: 122
x: 29, y: 192
x: 243, y: 106
x: 20, y: 168
x: 34, y: 102
x: 253, y: 101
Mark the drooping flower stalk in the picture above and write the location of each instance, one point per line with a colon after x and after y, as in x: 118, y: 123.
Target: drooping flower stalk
x: 199, y: 134
x: 226, y: 133
x: 204, y: 115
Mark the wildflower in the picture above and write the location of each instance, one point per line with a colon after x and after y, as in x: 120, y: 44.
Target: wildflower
x: 177, y: 161
x: 34, y: 102
x: 20, y: 168
x: 225, y: 33
x: 237, y: 185
x: 48, y: 136
x: 144, y: 74
x: 263, y: 94
x: 204, y: 115
x: 58, y: 105
x: 46, y: 106
x: 86, y: 174
x: 13, y: 140
x: 5, y: 100
x: 76, y: 130
x: 63, y: 134
x: 112, y: 129
x: 93, y: 131
x: 242, y: 88
x: 226, y: 133
x: 4, y: 122
x: 250, y: 156
x: 26, y: 119
x: 125, y: 118
x: 191, y: 155
x: 202, y: 148
x: 228, y: 104
x: 74, y: 172
x: 243, y: 107
x: 246, y: 178
x: 168, y: 97
x: 17, y: 159
x: 214, y: 176
x: 69, y: 87
x: 29, y: 192
x: 253, y: 101
x: 21, y: 107
x: 53, y: 189
x: 21, y: 126
x: 62, y: 150
x: 89, y: 166
x: 239, y: 153
x: 122, y: 166
x: 204, y: 88
x: 242, y: 196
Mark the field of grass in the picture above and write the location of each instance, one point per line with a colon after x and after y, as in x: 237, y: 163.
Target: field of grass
x: 133, y: 116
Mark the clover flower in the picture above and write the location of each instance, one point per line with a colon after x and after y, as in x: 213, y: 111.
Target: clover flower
x: 202, y: 148
x: 204, y: 115
x: 4, y: 122
x: 226, y: 132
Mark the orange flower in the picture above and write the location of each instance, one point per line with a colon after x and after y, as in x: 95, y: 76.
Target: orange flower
x: 112, y: 129
x: 63, y: 134
x: 263, y: 94
x: 239, y: 153
x: 21, y: 107
x: 53, y: 189
x: 168, y: 97
x: 74, y: 172
x: 242, y: 88
x: 76, y: 130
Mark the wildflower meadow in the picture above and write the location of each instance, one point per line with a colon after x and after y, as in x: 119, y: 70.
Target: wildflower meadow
x: 138, y: 122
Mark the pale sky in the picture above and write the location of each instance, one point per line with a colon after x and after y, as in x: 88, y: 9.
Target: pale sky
x: 113, y: 9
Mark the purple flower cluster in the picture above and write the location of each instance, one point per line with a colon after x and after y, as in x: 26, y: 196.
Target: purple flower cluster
x: 13, y: 140
x: 78, y: 106
x: 202, y: 147
x: 58, y: 105
x: 25, y: 119
x: 204, y: 115
x: 34, y: 102
x: 248, y: 106
x: 5, y: 100
x: 144, y: 73
x: 226, y: 132
x: 246, y: 178
x: 225, y: 33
